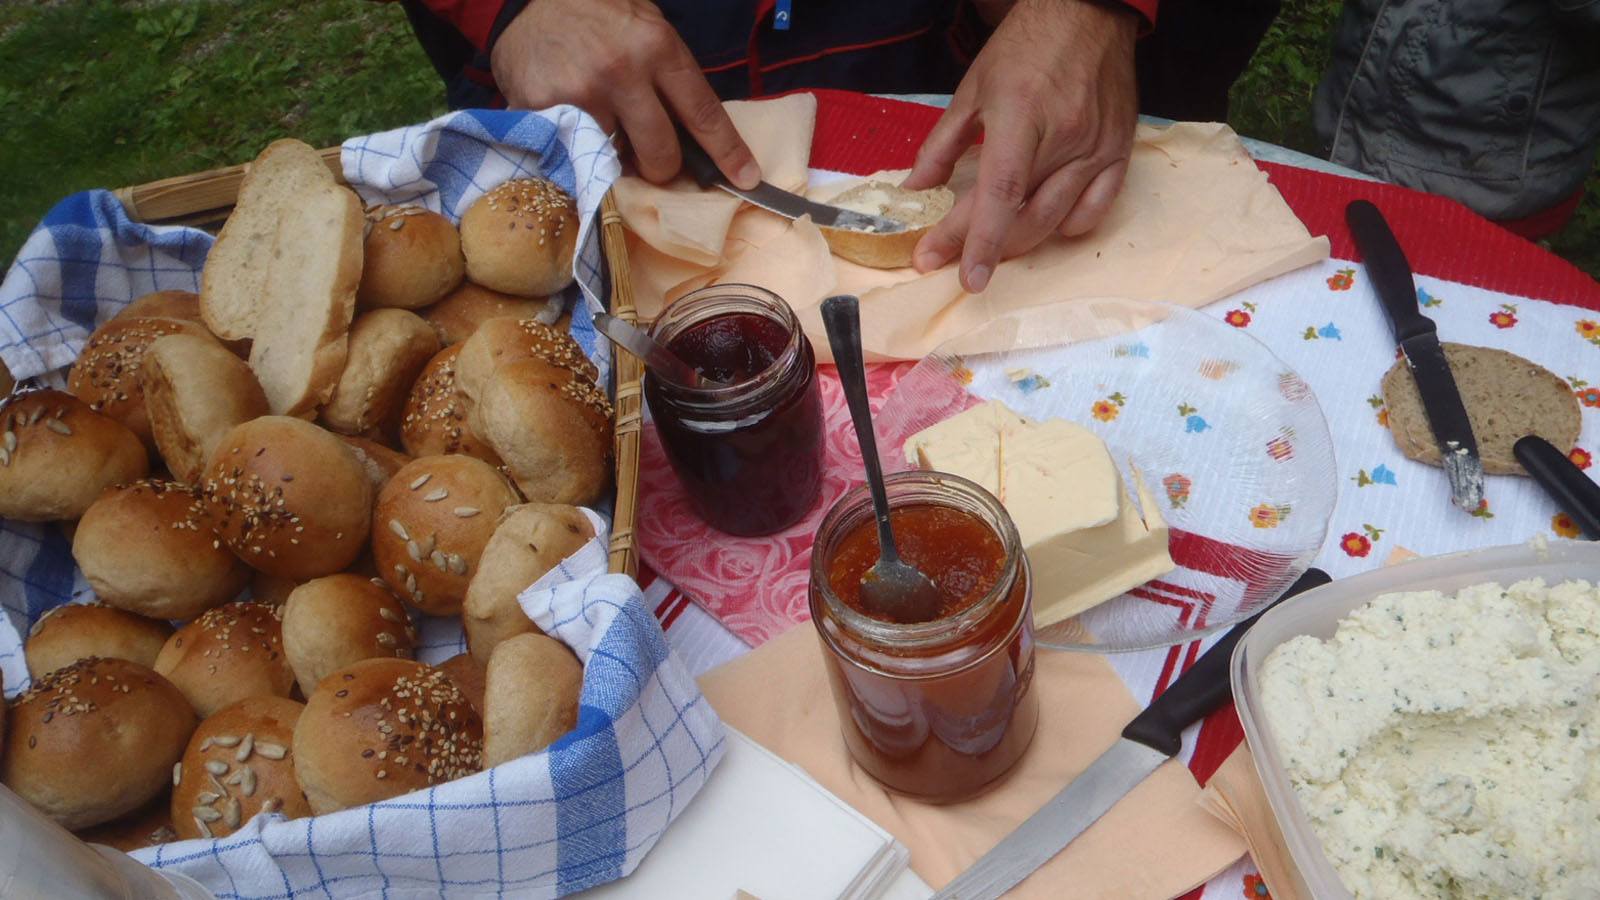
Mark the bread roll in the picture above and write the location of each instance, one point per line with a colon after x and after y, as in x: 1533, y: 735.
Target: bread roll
x: 228, y: 654
x: 458, y: 315
x: 270, y: 589
x: 77, y: 631
x: 238, y: 763
x: 94, y: 740
x: 183, y: 305
x: 382, y: 728
x: 195, y: 390
x: 235, y: 274
x: 147, y: 826
x: 499, y: 341
x: 411, y: 257
x: 379, y: 462
x: 300, y: 340
x: 434, y: 421
x: 528, y: 542
x: 519, y: 238
x: 431, y: 522
x: 468, y: 675
x: 336, y: 620
x: 530, y: 697
x: 106, y: 373
x: 57, y: 455
x: 919, y: 210
x: 147, y: 547
x: 551, y: 429
x: 388, y: 348
x: 289, y: 498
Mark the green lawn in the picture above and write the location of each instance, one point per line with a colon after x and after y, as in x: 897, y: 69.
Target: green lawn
x: 105, y: 94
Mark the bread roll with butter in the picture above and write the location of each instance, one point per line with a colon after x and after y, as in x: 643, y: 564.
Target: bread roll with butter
x: 411, y: 257
x: 919, y: 210
x: 530, y: 697
x: 529, y: 541
x: 57, y: 455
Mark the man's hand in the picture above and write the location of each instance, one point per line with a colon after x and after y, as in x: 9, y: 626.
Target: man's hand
x: 621, y: 62
x: 1054, y: 97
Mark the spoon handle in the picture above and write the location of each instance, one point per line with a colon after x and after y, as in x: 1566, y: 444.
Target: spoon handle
x: 841, y: 316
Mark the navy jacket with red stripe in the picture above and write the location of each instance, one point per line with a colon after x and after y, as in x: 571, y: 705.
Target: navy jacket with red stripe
x: 876, y: 46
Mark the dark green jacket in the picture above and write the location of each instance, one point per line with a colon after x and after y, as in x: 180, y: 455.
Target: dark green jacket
x: 1495, y: 103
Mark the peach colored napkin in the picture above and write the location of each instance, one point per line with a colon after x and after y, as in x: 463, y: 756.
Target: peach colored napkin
x: 1196, y: 221
x: 1157, y: 843
x: 1235, y: 796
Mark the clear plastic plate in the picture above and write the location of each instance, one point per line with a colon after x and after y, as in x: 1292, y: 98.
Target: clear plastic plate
x: 1229, y: 440
x: 1317, y: 613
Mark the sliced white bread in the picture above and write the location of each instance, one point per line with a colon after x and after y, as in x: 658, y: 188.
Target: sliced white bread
x: 236, y: 268
x: 308, y: 300
x: 920, y: 210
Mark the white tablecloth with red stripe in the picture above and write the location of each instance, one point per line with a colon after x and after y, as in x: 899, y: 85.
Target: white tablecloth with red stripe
x: 1481, y: 284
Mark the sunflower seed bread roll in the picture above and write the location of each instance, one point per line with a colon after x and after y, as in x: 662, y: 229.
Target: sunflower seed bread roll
x: 57, y: 455
x: 238, y: 764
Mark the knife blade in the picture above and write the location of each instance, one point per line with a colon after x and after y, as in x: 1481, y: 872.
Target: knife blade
x: 791, y: 206
x: 1152, y: 738
x: 1418, y: 338
x: 655, y: 356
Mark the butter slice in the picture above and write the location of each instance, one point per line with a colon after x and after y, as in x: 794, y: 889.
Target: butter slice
x: 1086, y: 541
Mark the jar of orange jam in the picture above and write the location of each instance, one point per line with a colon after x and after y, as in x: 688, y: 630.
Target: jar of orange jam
x: 937, y: 710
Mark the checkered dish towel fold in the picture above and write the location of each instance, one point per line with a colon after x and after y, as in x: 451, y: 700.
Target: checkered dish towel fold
x: 583, y: 812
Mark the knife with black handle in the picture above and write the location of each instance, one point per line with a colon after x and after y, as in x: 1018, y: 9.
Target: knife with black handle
x: 1418, y: 338
x: 1573, y: 491
x: 1153, y: 737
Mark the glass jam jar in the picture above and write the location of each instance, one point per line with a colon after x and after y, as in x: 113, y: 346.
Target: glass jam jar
x: 938, y: 710
x: 749, y: 453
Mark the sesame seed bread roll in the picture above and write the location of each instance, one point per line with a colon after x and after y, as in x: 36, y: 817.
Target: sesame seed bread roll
x: 468, y: 675
x: 379, y: 462
x: 529, y: 541
x: 148, y: 826
x: 57, y: 455
x: 106, y: 374
x: 519, y: 238
x: 530, y: 697
x: 163, y: 305
x: 195, y: 390
x: 270, y: 589
x: 434, y: 421
x: 411, y: 257
x: 388, y: 348
x: 77, y: 631
x: 551, y: 429
x: 430, y: 525
x: 382, y: 728
x: 289, y: 498
x: 238, y: 763
x: 459, y: 314
x: 147, y: 547
x: 499, y: 341
x: 336, y: 620
x: 94, y: 741
x: 228, y: 654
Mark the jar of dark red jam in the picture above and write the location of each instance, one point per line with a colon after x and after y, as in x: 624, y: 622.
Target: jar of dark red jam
x: 942, y: 709
x: 749, y: 454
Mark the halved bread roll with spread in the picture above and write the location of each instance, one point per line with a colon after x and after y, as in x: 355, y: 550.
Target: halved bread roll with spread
x: 919, y: 210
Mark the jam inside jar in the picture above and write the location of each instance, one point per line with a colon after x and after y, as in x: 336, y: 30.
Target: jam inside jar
x: 937, y: 710
x: 748, y: 452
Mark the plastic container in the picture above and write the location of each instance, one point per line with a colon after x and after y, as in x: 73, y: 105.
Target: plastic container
x: 1317, y: 613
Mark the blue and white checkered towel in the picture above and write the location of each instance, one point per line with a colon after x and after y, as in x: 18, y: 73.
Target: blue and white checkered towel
x: 584, y: 812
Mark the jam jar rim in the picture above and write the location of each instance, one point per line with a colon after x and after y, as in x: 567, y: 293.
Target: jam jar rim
x: 938, y: 632
x: 752, y: 390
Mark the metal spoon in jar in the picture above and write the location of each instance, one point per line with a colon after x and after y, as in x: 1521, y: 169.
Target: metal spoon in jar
x: 655, y: 355
x: 892, y: 587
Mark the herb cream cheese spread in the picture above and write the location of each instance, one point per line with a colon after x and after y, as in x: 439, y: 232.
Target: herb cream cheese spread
x: 1448, y: 746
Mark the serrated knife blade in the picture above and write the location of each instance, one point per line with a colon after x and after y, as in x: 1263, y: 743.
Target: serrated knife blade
x: 1418, y: 338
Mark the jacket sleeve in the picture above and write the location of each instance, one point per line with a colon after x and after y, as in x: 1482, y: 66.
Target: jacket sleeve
x: 1146, y: 9
x: 1579, y: 12
x: 479, y: 21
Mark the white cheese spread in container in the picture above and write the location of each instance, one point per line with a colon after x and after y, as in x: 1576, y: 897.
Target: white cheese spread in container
x: 1448, y: 746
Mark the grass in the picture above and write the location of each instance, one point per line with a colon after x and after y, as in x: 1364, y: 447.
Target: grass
x: 104, y: 94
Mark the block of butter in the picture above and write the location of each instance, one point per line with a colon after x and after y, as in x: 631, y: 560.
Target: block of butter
x: 1086, y: 540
